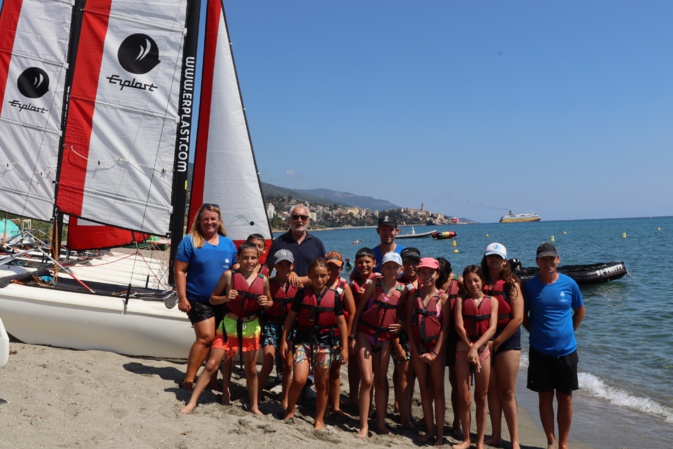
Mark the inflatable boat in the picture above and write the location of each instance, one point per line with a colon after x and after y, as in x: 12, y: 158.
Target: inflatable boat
x: 597, y: 273
x: 443, y: 235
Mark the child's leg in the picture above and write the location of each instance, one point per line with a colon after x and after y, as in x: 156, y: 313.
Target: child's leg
x: 213, y: 363
x: 353, y: 380
x: 422, y: 371
x: 437, y: 381
x: 481, y: 380
x: 302, y: 359
x: 250, y: 360
x: 335, y: 387
x: 227, y: 368
x: 464, y: 397
x: 286, y: 379
x: 321, y: 374
x: 364, y: 349
x: 268, y: 360
x: 380, y: 362
x: 404, y: 390
x: 454, y: 399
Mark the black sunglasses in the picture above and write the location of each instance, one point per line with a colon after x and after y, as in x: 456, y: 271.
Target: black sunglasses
x: 207, y: 205
x: 297, y: 217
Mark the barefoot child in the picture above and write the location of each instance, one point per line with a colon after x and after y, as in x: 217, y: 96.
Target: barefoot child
x: 476, y: 316
x: 273, y: 318
x: 336, y: 282
x: 427, y: 324
x: 376, y: 323
x: 245, y: 293
x: 364, y: 270
x: 316, y: 311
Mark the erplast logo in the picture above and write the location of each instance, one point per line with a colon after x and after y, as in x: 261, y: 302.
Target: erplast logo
x: 33, y: 83
x: 138, y: 54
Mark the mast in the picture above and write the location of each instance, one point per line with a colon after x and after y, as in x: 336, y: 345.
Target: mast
x: 185, y: 130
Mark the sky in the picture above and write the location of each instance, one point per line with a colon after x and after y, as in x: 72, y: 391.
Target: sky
x: 472, y: 108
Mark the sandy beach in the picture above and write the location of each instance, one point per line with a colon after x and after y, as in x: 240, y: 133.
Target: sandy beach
x: 52, y: 397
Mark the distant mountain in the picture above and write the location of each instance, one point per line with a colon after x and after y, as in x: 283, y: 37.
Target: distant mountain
x: 351, y: 199
x: 269, y: 190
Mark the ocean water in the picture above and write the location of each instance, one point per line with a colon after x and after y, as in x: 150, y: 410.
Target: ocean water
x: 626, y: 339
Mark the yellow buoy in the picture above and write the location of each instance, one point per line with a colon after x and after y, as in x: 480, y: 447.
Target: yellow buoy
x: 552, y: 238
x: 455, y: 243
x: 658, y: 229
x: 455, y: 250
x: 487, y: 235
x: 623, y: 235
x: 564, y: 233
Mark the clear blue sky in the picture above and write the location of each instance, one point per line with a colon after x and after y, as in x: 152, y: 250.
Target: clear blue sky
x: 474, y: 108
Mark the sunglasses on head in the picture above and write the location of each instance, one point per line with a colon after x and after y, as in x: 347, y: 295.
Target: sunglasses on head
x: 207, y: 205
x: 299, y: 217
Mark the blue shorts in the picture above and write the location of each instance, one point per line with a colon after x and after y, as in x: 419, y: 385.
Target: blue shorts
x: 512, y: 343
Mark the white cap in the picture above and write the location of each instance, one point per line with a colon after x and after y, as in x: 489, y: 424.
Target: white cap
x: 496, y: 248
x: 392, y: 257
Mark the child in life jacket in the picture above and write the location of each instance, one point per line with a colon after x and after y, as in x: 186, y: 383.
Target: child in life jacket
x: 365, y: 261
x: 427, y: 325
x: 245, y: 293
x: 282, y: 292
x: 403, y: 374
x: 452, y: 284
x: 336, y: 282
x: 376, y: 323
x: 316, y: 312
x: 476, y: 317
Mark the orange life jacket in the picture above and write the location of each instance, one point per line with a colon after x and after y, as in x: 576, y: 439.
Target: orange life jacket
x: 378, y: 318
x: 476, y: 319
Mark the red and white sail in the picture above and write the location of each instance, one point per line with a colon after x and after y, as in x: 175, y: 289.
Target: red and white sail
x: 119, y: 147
x: 34, y: 37
x: 225, y: 172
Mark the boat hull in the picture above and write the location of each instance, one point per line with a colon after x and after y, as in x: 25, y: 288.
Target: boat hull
x: 4, y: 346
x: 415, y: 236
x: 598, y: 273
x: 85, y: 321
x: 519, y: 220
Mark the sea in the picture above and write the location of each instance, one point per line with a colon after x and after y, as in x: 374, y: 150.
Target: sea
x: 626, y: 339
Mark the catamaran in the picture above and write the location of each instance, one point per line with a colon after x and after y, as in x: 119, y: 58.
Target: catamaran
x: 101, y: 102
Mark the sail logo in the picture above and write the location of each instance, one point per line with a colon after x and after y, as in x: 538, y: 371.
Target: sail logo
x: 137, y: 54
x: 32, y: 83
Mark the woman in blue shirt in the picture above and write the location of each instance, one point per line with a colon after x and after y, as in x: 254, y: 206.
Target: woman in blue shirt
x: 202, y: 256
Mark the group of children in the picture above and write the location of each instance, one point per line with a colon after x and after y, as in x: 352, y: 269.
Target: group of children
x: 415, y: 311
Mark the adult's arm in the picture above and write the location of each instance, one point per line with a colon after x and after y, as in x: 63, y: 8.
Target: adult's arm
x: 180, y: 271
x: 578, y: 316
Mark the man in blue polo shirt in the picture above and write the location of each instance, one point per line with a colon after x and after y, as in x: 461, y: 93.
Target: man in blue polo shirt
x: 304, y: 246
x: 553, y: 310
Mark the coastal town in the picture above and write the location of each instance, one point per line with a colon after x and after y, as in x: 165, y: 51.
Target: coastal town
x: 337, y: 216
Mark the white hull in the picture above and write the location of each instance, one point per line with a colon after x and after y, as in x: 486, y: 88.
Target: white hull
x: 85, y: 321
x: 4, y: 346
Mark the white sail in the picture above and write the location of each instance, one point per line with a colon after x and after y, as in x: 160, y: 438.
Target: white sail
x: 34, y: 36
x: 117, y: 165
x: 225, y: 172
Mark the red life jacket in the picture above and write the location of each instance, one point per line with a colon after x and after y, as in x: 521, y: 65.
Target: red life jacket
x: 355, y: 287
x: 475, y: 319
x: 378, y: 318
x: 504, y: 307
x: 317, y: 313
x: 282, y: 301
x: 426, y: 321
x: 245, y: 304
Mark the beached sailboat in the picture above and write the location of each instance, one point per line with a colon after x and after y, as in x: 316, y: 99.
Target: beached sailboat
x: 98, y: 104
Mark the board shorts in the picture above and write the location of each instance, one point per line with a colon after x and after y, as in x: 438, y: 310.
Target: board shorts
x: 272, y: 332
x: 549, y: 373
x: 200, y: 311
x: 322, y: 357
x: 251, y: 333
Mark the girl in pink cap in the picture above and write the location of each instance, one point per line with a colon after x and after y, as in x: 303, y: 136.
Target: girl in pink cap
x: 427, y: 325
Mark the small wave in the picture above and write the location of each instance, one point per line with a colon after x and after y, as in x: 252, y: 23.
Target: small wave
x: 596, y: 387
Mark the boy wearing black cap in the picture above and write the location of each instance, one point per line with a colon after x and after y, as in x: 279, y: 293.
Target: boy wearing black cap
x: 387, y: 231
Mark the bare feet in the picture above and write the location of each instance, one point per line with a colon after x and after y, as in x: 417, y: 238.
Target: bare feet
x: 462, y: 445
x: 186, y: 385
x: 382, y: 430
x: 439, y: 441
x: 493, y: 441
x: 290, y: 414
x: 226, y: 399
x: 319, y: 425
x: 363, y: 434
x: 188, y: 408
x: 256, y: 411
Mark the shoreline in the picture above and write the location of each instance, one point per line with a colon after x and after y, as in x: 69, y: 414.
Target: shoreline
x: 92, y: 398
